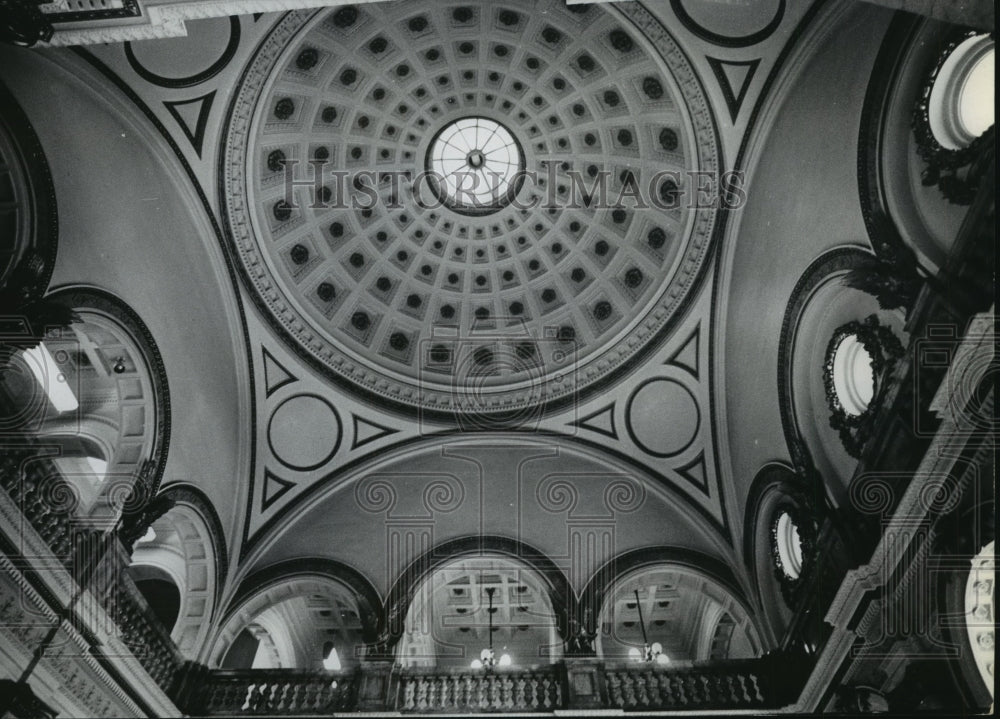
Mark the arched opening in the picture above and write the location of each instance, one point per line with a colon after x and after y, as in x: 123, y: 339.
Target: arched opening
x: 477, y: 612
x: 179, y: 546
x: 160, y: 591
x: 96, y: 389
x: 297, y: 624
x: 670, y: 613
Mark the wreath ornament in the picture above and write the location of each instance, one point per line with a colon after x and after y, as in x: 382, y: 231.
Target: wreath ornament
x: 884, y: 349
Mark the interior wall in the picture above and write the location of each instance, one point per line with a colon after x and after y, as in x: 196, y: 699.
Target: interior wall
x: 802, y: 200
x: 128, y: 224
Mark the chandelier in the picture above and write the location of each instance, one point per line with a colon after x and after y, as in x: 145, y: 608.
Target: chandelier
x: 652, y: 653
x: 487, y: 658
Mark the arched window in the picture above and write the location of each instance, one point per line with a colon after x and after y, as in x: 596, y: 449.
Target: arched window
x: 96, y: 391
x: 293, y: 624
x: 450, y: 623
x: 668, y: 613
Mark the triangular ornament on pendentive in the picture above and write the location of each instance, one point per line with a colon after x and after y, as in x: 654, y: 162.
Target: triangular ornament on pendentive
x: 275, y: 375
x: 734, y: 79
x: 602, y: 421
x: 687, y: 355
x: 192, y: 116
x: 366, y: 431
x: 274, y: 489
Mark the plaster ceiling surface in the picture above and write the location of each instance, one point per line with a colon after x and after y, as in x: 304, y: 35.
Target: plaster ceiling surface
x: 327, y: 401
x: 794, y: 213
x: 574, y: 505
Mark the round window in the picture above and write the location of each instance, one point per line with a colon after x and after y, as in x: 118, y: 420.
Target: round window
x: 962, y: 96
x: 788, y: 545
x: 979, y: 611
x: 853, y: 376
x: 476, y: 165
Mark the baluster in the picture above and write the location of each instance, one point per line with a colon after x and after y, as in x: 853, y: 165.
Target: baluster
x: 422, y: 693
x: 409, y: 694
x: 641, y: 689
x: 506, y: 692
x: 728, y: 690
x: 519, y: 701
x: 628, y: 689
x: 705, y: 686
x: 653, y: 687
x: 756, y: 695
x: 691, y: 688
x: 481, y: 698
x: 494, y: 691
x: 614, y: 688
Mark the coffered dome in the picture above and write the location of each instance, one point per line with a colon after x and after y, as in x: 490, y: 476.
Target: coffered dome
x: 425, y: 263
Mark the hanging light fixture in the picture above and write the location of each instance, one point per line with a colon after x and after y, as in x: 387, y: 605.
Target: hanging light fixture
x: 650, y: 652
x: 487, y: 658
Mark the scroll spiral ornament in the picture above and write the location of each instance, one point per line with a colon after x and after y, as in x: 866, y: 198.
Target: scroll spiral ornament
x: 375, y: 495
x: 557, y: 494
x: 58, y: 496
x: 624, y: 495
x: 940, y: 497
x: 444, y: 495
x: 874, y: 495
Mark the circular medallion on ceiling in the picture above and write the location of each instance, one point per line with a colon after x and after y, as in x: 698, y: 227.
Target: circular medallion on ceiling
x: 456, y: 256
x: 662, y: 417
x: 304, y: 432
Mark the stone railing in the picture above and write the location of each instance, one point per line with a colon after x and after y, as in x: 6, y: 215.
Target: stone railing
x: 42, y: 496
x: 139, y: 629
x: 586, y: 684
x: 722, y: 685
x: 275, y: 692
x: 504, y: 690
x: 96, y: 561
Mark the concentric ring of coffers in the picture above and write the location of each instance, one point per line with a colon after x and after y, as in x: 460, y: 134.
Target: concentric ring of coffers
x: 433, y: 308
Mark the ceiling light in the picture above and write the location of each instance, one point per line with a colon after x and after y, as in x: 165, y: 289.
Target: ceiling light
x: 332, y: 661
x: 51, y: 378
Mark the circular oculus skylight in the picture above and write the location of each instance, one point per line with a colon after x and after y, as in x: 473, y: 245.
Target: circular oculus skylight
x: 418, y: 303
x: 476, y: 165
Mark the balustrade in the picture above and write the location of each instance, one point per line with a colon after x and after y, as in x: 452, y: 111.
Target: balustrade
x: 275, y: 692
x: 44, y: 499
x: 504, y: 690
x: 722, y: 685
